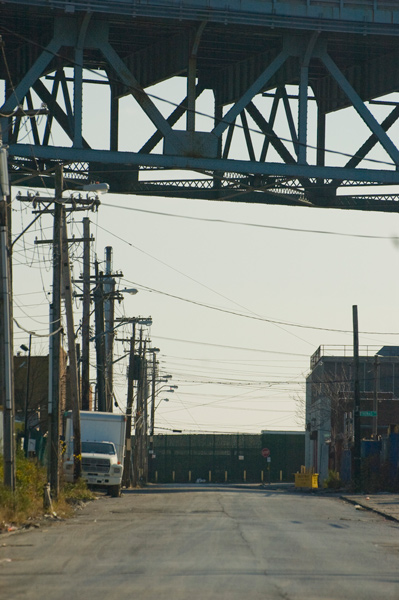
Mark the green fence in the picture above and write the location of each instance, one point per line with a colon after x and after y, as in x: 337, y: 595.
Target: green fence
x: 226, y: 458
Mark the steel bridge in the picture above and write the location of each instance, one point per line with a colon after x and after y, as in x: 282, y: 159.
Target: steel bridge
x: 259, y: 61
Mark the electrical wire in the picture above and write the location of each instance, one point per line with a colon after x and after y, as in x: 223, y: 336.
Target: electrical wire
x: 257, y: 225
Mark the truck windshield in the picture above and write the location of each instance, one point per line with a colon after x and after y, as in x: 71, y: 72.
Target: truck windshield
x: 98, y: 447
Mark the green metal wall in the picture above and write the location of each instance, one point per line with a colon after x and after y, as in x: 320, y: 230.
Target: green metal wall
x: 232, y: 458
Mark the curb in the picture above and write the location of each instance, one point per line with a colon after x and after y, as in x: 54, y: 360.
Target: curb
x: 370, y: 509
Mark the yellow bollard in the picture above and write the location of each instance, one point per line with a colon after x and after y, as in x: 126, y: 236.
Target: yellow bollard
x: 189, y: 476
x: 261, y: 476
x: 225, y: 476
x: 245, y: 475
x: 173, y: 476
x: 156, y: 476
x: 210, y: 476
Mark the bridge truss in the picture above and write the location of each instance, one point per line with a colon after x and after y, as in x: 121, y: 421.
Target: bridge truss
x: 258, y: 61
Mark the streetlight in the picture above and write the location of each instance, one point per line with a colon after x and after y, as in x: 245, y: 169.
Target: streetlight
x: 162, y: 400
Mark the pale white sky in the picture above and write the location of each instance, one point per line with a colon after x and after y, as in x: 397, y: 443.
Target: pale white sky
x: 215, y: 275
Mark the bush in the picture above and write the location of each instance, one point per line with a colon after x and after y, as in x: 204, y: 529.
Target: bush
x: 333, y: 481
x: 27, y: 501
x: 77, y: 492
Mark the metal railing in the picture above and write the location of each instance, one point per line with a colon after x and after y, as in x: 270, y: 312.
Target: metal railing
x: 342, y: 351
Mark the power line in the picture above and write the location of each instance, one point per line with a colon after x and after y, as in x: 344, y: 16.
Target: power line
x: 252, y: 316
x: 256, y: 318
x: 258, y: 225
x: 157, y: 337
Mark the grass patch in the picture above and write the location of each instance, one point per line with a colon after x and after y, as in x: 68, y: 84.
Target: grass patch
x: 26, y: 504
x: 77, y: 492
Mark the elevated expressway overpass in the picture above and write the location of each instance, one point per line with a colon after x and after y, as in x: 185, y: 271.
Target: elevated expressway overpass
x: 260, y: 62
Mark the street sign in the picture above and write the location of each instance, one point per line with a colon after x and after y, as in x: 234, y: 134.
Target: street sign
x: 265, y: 452
x: 368, y: 413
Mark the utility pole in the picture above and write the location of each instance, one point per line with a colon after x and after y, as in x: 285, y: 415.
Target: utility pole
x: 73, y: 364
x: 6, y: 345
x: 356, y: 415
x: 60, y: 255
x: 129, y: 406
x: 140, y: 417
x: 86, y: 317
x: 134, y: 372
x: 144, y: 444
x: 152, y: 422
x: 109, y: 299
x: 154, y: 373
x: 138, y: 421
x: 55, y: 336
x: 100, y: 342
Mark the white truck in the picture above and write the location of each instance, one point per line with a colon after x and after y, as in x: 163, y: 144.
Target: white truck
x: 103, y: 437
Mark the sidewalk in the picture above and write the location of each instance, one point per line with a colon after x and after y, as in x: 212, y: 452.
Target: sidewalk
x: 384, y: 504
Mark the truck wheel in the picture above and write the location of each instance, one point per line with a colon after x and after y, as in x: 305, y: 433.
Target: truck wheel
x: 115, y: 491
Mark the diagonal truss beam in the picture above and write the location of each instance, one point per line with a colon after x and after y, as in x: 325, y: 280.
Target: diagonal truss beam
x: 139, y: 94
x: 272, y: 118
x: 172, y: 119
x: 252, y: 91
x: 28, y: 80
x: 361, y: 108
x: 56, y: 111
x: 269, y: 132
x: 372, y: 140
x: 52, y: 103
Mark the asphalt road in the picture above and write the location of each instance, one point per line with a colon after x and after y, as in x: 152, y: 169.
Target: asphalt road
x: 203, y: 542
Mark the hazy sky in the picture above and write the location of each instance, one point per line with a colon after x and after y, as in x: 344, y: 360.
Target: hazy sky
x: 240, y: 295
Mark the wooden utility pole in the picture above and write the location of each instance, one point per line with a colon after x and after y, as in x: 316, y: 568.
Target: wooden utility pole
x: 152, y: 421
x: 6, y: 345
x: 154, y: 374
x: 138, y: 421
x: 86, y: 317
x: 55, y: 346
x: 73, y: 364
x: 129, y: 407
x: 144, y: 397
x: 100, y: 341
x: 134, y: 372
x: 356, y: 414
x: 109, y: 300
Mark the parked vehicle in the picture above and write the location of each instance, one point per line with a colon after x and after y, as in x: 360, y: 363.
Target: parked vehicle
x: 103, y: 437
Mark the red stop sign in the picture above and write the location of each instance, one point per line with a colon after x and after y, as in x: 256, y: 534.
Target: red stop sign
x: 265, y: 452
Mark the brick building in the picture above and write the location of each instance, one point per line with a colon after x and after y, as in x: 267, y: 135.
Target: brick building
x: 38, y: 389
x: 330, y: 402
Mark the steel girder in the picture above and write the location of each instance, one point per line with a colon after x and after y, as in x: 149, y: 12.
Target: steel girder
x: 360, y: 16
x: 238, y: 71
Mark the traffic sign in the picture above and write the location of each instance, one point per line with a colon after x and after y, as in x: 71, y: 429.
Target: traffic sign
x: 265, y: 452
x: 368, y: 413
